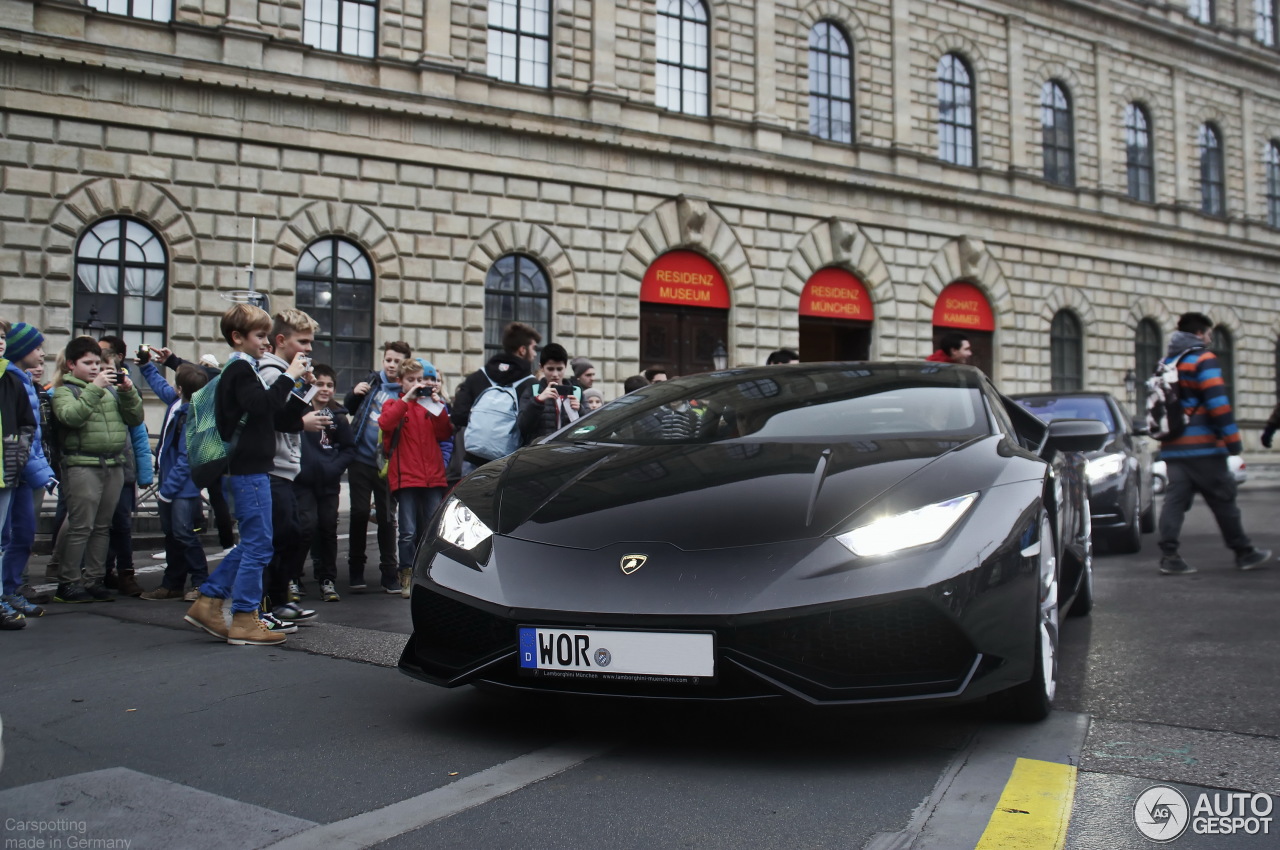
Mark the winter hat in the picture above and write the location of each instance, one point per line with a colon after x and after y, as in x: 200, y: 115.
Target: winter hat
x: 580, y: 365
x: 592, y: 393
x: 22, y: 340
x: 428, y: 371
x: 209, y: 360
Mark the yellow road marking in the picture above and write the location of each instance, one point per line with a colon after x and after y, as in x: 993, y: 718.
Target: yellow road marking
x: 1034, y: 809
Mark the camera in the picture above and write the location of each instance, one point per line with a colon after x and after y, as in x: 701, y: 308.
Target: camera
x: 114, y: 375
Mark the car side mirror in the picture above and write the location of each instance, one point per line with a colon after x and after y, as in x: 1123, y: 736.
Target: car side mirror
x: 1076, y: 435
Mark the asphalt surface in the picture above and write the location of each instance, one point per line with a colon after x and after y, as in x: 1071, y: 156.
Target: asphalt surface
x: 124, y: 724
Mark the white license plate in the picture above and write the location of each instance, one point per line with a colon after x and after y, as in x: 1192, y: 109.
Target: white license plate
x: 590, y: 653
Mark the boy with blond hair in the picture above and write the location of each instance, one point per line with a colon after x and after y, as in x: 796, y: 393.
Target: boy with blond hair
x: 244, y: 405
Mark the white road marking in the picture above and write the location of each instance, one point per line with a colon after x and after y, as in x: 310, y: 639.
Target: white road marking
x: 374, y: 827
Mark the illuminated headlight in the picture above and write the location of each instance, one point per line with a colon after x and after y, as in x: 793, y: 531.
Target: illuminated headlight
x: 1104, y: 467
x: 907, y: 530
x: 460, y: 527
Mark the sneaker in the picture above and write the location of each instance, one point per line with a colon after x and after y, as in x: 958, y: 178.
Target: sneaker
x: 357, y: 584
x: 294, y: 613
x: 34, y: 595
x: 71, y: 593
x: 275, y: 624
x: 191, y: 595
x: 394, y: 589
x: 295, y: 591
x: 11, y: 620
x: 1252, y: 559
x: 328, y: 592
x: 98, y: 592
x: 20, y: 603
x: 159, y: 556
x: 161, y: 593
x: 1173, y: 565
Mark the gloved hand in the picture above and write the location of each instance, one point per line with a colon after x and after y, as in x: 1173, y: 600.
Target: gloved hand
x: 1267, y: 434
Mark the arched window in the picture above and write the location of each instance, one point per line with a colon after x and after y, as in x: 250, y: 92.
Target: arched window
x: 121, y: 287
x: 343, y: 26
x: 1273, y: 184
x: 335, y: 287
x: 1212, y: 182
x: 1066, y: 352
x: 1264, y: 21
x: 1058, y: 134
x: 830, y: 83
x: 1200, y: 10
x: 955, y: 111
x: 1148, y: 350
x: 151, y: 10
x: 1138, y: 158
x: 516, y: 289
x: 1224, y: 346
x: 520, y: 41
x: 683, y: 56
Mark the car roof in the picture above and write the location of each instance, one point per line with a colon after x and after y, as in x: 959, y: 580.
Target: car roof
x: 1064, y: 394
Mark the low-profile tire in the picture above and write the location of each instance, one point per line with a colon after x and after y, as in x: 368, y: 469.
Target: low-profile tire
x: 1083, y: 603
x: 1128, y: 540
x: 1149, y: 517
x: 1032, y: 700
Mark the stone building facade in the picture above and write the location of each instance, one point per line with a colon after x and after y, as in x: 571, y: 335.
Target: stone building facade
x: 240, y: 145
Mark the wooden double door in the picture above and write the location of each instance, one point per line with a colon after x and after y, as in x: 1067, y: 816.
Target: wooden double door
x: 681, y: 340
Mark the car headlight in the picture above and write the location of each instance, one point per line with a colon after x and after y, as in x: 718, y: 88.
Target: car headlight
x: 907, y: 530
x: 1104, y: 467
x: 460, y: 527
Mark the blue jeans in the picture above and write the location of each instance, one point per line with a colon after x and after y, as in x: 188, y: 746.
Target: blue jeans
x: 19, y: 534
x: 239, y: 576
x: 415, y: 506
x: 185, y: 554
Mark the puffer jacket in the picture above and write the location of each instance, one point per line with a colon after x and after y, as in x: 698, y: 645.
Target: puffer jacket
x: 411, y: 437
x: 538, y: 419
x: 17, y: 428
x: 38, y: 472
x: 327, y: 454
x: 175, y: 469
x: 94, y: 426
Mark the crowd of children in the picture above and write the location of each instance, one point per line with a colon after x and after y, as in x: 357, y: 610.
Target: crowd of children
x: 288, y: 445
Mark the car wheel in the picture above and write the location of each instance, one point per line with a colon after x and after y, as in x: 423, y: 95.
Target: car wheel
x: 1083, y: 602
x: 1158, y: 483
x: 1149, y: 516
x: 1128, y: 540
x: 1032, y: 700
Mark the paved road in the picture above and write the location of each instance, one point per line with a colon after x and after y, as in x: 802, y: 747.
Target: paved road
x: 124, y: 725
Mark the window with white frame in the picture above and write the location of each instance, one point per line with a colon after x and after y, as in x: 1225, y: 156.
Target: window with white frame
x: 684, y: 57
x: 955, y: 111
x: 830, y: 83
x: 121, y: 282
x: 151, y: 10
x: 516, y: 289
x: 335, y: 287
x: 520, y: 41
x: 343, y: 26
x: 1137, y: 153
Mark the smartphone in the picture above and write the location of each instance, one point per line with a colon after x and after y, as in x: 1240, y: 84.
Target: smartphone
x: 114, y: 376
x: 564, y: 390
x: 144, y: 353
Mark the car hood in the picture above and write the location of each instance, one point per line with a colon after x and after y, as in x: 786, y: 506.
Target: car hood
x: 723, y: 494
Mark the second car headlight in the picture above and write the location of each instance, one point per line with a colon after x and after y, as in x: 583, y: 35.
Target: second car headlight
x: 460, y: 527
x: 907, y: 530
x: 1104, y: 467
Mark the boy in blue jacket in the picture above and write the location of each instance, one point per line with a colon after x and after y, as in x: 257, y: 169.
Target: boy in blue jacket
x: 24, y: 350
x: 178, y: 497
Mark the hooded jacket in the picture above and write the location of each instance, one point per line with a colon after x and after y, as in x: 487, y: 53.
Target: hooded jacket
x: 17, y: 428
x: 288, y: 422
x: 175, y: 469
x: 94, y: 426
x: 367, y: 409
x: 1211, y: 426
x: 38, y: 472
x: 411, y: 437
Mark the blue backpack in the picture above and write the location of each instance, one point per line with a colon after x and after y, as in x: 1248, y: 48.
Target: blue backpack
x: 491, y: 430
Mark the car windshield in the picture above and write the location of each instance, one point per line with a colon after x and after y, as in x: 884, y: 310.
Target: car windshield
x: 792, y: 404
x: 1050, y: 408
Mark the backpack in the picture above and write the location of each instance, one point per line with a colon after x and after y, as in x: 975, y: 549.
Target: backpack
x: 207, y: 453
x: 491, y: 430
x: 1166, y: 418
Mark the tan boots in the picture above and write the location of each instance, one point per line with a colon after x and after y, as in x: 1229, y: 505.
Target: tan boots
x: 248, y: 630
x: 206, y: 613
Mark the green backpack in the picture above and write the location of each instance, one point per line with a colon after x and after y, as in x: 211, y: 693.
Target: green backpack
x: 207, y: 453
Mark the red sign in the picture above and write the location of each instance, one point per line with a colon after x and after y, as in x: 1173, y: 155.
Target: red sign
x: 836, y: 294
x: 685, y: 278
x: 962, y: 305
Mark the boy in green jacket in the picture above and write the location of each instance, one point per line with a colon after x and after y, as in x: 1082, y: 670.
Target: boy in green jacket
x: 95, y: 406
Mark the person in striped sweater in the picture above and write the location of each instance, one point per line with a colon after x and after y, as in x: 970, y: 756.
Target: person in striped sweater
x: 1197, y: 460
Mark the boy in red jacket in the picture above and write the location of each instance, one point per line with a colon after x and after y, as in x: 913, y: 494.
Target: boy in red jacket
x: 412, y: 427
